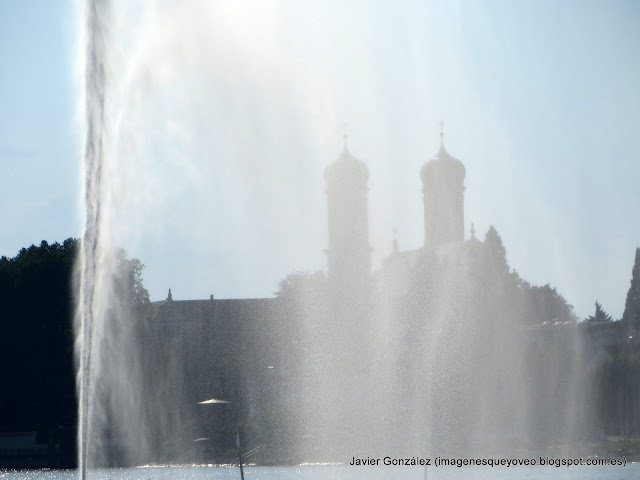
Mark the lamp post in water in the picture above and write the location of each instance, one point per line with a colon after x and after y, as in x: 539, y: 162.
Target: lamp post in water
x: 239, y: 455
x: 214, y: 401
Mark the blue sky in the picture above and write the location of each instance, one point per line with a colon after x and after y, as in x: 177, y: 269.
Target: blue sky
x: 38, y: 144
x: 235, y: 110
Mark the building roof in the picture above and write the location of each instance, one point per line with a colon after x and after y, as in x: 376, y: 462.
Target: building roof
x: 178, y: 311
x: 346, y: 167
x: 443, y: 163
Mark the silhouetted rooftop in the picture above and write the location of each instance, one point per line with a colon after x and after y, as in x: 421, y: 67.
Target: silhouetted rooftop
x: 443, y: 162
x: 346, y: 167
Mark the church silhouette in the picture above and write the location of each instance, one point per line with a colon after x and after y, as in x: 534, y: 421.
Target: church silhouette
x: 378, y: 361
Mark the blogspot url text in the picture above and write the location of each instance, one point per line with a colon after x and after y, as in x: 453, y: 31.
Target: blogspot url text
x: 487, y: 462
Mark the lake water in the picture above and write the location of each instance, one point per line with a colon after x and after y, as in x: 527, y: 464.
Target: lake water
x: 630, y: 471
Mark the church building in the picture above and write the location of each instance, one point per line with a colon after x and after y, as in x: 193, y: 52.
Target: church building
x: 348, y: 252
x: 443, y: 193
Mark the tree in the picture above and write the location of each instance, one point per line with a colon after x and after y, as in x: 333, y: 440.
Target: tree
x: 549, y: 305
x: 300, y: 283
x: 127, y: 284
x: 37, y: 301
x: 496, y: 251
x: 600, y: 315
x: 632, y: 305
x: 36, y: 337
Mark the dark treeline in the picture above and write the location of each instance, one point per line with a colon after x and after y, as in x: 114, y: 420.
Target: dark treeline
x: 38, y: 387
x: 38, y: 392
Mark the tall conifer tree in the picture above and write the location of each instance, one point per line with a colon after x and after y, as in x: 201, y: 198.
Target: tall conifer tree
x: 497, y: 252
x: 600, y: 315
x: 632, y: 305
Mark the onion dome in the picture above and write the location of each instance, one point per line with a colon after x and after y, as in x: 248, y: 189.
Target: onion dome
x: 443, y: 164
x: 346, y: 168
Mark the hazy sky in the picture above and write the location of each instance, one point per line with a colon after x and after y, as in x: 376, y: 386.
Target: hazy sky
x: 225, y: 114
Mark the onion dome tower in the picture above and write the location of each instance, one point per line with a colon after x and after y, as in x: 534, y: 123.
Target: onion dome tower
x: 443, y: 193
x: 349, y: 252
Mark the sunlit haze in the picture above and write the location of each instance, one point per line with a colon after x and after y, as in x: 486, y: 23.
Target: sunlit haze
x: 232, y: 114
